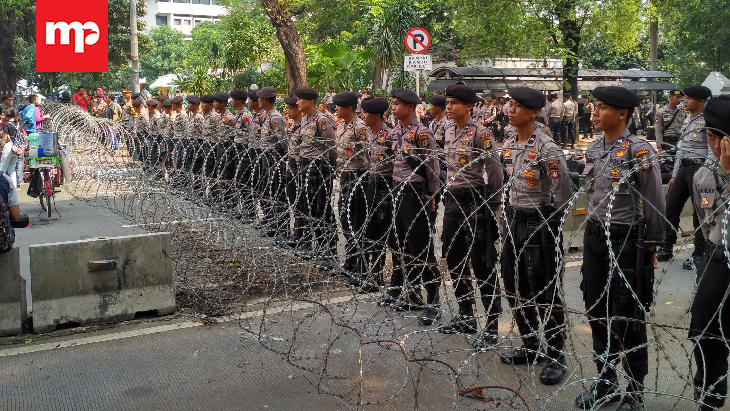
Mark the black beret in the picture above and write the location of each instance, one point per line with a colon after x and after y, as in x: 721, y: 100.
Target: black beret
x: 375, y: 105
x: 437, y: 100
x: 306, y: 93
x: 167, y: 103
x: 239, y: 95
x: 5, y: 97
x: 697, y: 92
x: 135, y: 96
x: 409, y: 96
x: 162, y: 98
x: 463, y: 93
x: 220, y: 97
x: 193, y: 99
x: 152, y: 102
x: 616, y: 96
x: 177, y: 100
x: 252, y: 95
x: 528, y: 97
x: 676, y: 92
x: 290, y: 101
x: 137, y: 103
x: 717, y: 114
x: 266, y: 92
x: 207, y: 98
x: 345, y: 99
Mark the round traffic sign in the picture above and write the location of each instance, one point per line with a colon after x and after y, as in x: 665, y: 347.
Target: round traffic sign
x: 417, y: 40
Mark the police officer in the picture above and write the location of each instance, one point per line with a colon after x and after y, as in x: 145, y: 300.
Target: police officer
x: 243, y: 124
x: 556, y: 117
x: 438, y: 126
x: 166, y: 135
x: 318, y: 159
x: 138, y: 131
x: 195, y: 137
x: 255, y: 150
x: 470, y: 227
x: 710, y: 307
x: 538, y: 190
x: 415, y: 174
x: 352, y: 138
x: 379, y: 194
x: 225, y: 152
x: 623, y: 180
x: 587, y: 116
x: 209, y: 136
x: 691, y: 153
x: 570, y: 111
x: 293, y: 178
x: 271, y: 166
x: 179, y: 131
x: 668, y: 126
x: 152, y: 146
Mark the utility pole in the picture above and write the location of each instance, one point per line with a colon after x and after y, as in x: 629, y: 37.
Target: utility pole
x: 653, y: 44
x: 133, y: 40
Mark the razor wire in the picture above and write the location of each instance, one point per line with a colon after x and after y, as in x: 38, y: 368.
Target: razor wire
x: 231, y: 217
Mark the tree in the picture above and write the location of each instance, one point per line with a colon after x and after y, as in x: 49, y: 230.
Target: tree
x: 286, y: 31
x: 167, y: 54
x: 535, y: 28
x: 11, y: 13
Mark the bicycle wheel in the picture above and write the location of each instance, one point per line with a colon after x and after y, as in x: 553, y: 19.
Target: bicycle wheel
x: 42, y: 200
x: 48, y: 202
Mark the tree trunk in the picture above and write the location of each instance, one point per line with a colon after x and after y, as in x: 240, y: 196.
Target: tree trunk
x: 571, y: 42
x: 286, y: 32
x: 8, y: 74
x: 378, y: 77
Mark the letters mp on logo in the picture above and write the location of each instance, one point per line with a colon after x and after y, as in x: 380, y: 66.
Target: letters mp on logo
x: 72, y: 35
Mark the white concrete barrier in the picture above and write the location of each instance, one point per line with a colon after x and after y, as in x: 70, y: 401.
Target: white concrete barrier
x: 104, y: 280
x: 13, y: 304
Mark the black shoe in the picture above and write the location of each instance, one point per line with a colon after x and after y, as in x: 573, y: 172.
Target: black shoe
x: 354, y: 281
x: 522, y: 355
x: 486, y: 340
x: 696, y: 258
x: 267, y: 232
x: 292, y: 241
x: 705, y: 405
x: 554, y: 372
x: 631, y: 402
x: 601, y: 391
x: 367, y: 286
x: 429, y: 316
x: 413, y: 301
x: 329, y: 265
x: 389, y: 298
x: 664, y: 254
x: 689, y: 264
x: 460, y: 324
x: 304, y: 252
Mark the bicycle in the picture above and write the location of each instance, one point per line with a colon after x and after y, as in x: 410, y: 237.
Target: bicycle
x: 49, y: 172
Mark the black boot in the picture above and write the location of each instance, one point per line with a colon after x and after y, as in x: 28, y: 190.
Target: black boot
x: 464, y: 322
x: 554, y: 372
x: 391, y: 295
x: 412, y: 301
x: 486, y: 340
x: 602, y: 391
x: 523, y: 355
x: 432, y: 313
x: 664, y: 254
x: 633, y: 399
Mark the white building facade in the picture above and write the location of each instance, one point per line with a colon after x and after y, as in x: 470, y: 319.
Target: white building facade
x: 182, y: 15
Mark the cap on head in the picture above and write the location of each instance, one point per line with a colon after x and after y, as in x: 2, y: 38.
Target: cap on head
x: 3, y: 98
x: 220, y: 97
x: 698, y: 92
x: 528, y: 97
x: 266, y: 92
x: 438, y: 101
x: 152, y: 102
x: 177, y: 100
x: 375, y: 105
x: 252, y: 95
x: 290, y: 101
x: 207, y: 98
x: 408, y: 96
x: 135, y: 96
x: 618, y: 97
x: 345, y: 99
x: 167, y: 103
x: 137, y: 102
x: 676, y: 92
x: 126, y: 90
x: 306, y: 93
x: 239, y: 95
x: 162, y: 98
x: 192, y: 99
x: 717, y: 114
x: 463, y: 93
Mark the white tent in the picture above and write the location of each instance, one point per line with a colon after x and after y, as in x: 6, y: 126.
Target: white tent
x: 718, y: 83
x: 168, y: 80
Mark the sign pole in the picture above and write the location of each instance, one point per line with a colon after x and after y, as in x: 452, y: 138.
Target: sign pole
x: 418, y: 82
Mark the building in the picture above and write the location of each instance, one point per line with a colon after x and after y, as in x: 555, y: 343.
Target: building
x: 719, y: 84
x: 182, y: 15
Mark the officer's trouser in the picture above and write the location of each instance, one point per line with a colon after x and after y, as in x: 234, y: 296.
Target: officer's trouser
x: 270, y: 183
x: 209, y: 167
x: 568, y: 131
x: 711, y: 325
x: 351, y: 207
x: 380, y: 224
x: 317, y: 186
x: 467, y: 244
x: 587, y: 125
x: 555, y: 126
x: 226, y: 164
x: 677, y: 196
x: 608, y: 294
x: 532, y: 278
x: 245, y: 158
x: 413, y: 239
x: 295, y: 196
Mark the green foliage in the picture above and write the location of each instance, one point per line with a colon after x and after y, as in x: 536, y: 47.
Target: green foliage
x: 338, y: 64
x: 167, y: 54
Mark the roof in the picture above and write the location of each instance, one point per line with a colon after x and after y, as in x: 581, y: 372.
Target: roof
x: 491, y: 72
x: 718, y: 83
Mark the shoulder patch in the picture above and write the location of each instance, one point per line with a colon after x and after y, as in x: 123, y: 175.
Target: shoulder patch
x: 363, y: 133
x: 423, y: 140
x: 323, y: 125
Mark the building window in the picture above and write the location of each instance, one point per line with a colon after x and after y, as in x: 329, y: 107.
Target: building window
x: 201, y: 1
x: 163, y: 1
x: 186, y: 22
x: 160, y: 20
x: 198, y: 22
x: 181, y: 1
x: 214, y: 2
x: 176, y: 22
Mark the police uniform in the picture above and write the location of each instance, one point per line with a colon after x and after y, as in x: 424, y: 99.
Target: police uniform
x: 668, y: 126
x: 152, y: 146
x: 470, y: 228
x: 622, y: 179
x: 439, y: 127
x: 294, y: 186
x: 379, y: 196
x: 180, y: 134
x: 691, y: 153
x: 318, y: 158
x: 556, y: 118
x: 416, y: 177
x: 570, y: 110
x: 710, y: 309
x: 225, y: 154
x: 587, y: 123
x: 537, y: 190
x: 209, y: 136
x: 243, y: 158
x: 138, y: 131
x: 195, y: 138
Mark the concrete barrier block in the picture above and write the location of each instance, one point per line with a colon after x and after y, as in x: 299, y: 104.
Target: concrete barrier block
x: 105, y: 280
x: 13, y: 304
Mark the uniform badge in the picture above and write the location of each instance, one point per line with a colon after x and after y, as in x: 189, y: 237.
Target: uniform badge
x: 705, y: 202
x: 626, y: 144
x: 406, y: 149
x: 323, y: 125
x: 381, y: 138
x: 620, y: 153
x: 554, y: 172
x: 531, y: 182
x: 423, y: 140
x: 349, y: 153
x: 363, y: 134
x: 276, y: 126
x: 309, y: 132
x: 529, y: 174
x: 532, y: 154
x: 531, y: 140
x: 380, y: 158
x: 615, y: 173
x: 246, y: 120
x: 462, y: 160
x: 487, y: 144
x: 644, y: 162
x: 462, y: 150
x: 507, y: 153
x: 614, y: 184
x: 470, y: 132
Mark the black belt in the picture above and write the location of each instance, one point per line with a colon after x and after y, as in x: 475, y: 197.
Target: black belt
x: 418, y: 188
x: 354, y: 173
x: 380, y: 179
x: 466, y: 194
x: 616, y: 232
x: 524, y: 214
x: 688, y: 162
x: 715, y: 252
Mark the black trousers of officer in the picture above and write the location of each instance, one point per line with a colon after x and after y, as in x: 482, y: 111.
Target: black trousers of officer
x: 468, y: 245
x: 532, y: 283
x: 351, y: 207
x: 379, y: 220
x: 295, y: 195
x: 317, y: 188
x: 677, y: 196
x: 206, y: 154
x: 226, y: 165
x: 556, y: 127
x: 587, y: 125
x: 568, y: 131
x: 413, y: 240
x: 606, y: 297
x: 710, y: 326
x: 245, y: 159
x: 270, y: 184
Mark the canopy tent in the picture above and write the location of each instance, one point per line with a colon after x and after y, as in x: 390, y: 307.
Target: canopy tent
x: 718, y: 83
x: 168, y: 80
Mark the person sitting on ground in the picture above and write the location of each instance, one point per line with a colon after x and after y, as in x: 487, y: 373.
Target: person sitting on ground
x: 10, y: 199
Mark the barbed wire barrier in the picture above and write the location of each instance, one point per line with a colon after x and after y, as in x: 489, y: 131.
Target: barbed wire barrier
x: 258, y: 239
